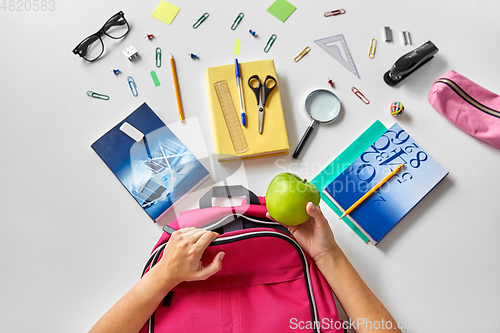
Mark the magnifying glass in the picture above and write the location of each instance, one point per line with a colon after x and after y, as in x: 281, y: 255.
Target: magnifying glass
x: 323, y: 107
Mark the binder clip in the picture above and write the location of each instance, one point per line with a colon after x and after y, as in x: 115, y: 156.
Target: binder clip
x: 130, y: 52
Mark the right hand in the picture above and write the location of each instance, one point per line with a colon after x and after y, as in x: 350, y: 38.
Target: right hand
x: 315, y: 235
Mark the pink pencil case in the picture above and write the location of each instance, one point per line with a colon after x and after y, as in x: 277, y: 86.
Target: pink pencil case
x: 472, y: 108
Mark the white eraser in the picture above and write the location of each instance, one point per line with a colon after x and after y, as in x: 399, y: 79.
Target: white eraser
x: 132, y: 132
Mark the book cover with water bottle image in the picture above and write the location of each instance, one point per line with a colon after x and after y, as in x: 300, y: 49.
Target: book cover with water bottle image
x: 381, y: 211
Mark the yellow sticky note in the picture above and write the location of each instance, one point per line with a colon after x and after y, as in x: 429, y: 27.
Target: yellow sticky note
x: 165, y: 12
x: 237, y: 47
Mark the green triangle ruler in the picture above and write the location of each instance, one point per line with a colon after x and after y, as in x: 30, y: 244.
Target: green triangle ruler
x: 336, y: 46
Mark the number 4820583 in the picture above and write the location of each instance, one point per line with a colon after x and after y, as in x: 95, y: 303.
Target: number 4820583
x: 28, y: 5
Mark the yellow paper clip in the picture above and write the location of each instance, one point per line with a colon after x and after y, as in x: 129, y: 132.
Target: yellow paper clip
x: 237, y: 21
x: 158, y: 57
x: 270, y: 42
x: 97, y: 95
x: 373, y: 46
x: 200, y: 20
x: 302, y: 54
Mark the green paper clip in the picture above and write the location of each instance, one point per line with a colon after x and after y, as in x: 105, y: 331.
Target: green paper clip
x: 200, y: 20
x: 97, y: 95
x: 237, y: 21
x: 270, y: 43
x: 158, y: 57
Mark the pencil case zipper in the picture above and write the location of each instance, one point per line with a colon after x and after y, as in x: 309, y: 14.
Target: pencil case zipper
x: 467, y: 98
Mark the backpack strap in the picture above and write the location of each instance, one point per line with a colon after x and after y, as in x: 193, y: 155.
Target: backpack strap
x: 228, y: 192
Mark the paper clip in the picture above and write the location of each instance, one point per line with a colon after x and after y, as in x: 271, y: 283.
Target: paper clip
x: 97, y: 95
x: 237, y: 21
x: 200, y: 20
x: 373, y: 46
x: 302, y: 54
x: 150, y: 37
x: 360, y: 95
x: 335, y: 12
x: 132, y: 85
x: 270, y: 42
x: 158, y: 57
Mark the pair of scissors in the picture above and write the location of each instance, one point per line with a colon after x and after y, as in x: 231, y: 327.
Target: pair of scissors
x: 261, y: 92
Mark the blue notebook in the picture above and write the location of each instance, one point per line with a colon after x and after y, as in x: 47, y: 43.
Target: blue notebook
x: 380, y: 212
x: 158, y: 170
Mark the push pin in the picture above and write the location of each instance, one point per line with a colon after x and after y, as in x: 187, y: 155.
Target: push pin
x: 116, y: 71
x: 150, y: 37
x: 331, y: 83
x: 130, y: 52
x: 193, y: 56
x: 252, y: 33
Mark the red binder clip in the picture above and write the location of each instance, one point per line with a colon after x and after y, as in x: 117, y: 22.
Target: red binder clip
x: 335, y: 12
x: 360, y: 95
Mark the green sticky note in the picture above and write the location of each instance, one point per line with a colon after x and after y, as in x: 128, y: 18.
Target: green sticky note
x: 155, y: 78
x: 237, y: 47
x: 281, y: 9
x: 341, y: 162
x: 165, y: 12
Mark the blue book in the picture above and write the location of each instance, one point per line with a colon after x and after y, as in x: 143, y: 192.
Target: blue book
x: 158, y: 170
x: 380, y: 212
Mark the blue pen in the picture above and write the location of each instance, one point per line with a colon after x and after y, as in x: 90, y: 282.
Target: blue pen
x: 240, y: 91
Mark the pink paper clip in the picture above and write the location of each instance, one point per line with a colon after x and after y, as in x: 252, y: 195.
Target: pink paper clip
x: 360, y: 95
x: 335, y: 12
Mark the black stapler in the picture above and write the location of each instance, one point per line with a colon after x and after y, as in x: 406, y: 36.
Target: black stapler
x: 409, y: 63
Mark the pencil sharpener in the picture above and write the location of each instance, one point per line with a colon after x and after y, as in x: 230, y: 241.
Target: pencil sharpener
x: 130, y: 52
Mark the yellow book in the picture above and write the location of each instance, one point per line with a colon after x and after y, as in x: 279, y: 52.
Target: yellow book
x: 274, y: 139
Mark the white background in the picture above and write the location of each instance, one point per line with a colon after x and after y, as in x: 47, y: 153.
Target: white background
x: 73, y: 241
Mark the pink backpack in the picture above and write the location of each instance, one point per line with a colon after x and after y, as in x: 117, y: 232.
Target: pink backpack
x: 267, y: 282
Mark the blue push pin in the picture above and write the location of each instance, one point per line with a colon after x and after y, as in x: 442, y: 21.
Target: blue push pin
x: 193, y: 56
x: 116, y: 71
x: 252, y: 33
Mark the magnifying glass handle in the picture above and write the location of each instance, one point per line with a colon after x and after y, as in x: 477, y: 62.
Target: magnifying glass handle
x: 303, y: 140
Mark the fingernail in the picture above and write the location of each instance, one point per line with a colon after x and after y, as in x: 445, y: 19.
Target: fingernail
x: 313, y: 206
x: 222, y: 256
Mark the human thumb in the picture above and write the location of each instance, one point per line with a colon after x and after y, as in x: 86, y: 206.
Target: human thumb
x: 213, y: 267
x: 313, y: 210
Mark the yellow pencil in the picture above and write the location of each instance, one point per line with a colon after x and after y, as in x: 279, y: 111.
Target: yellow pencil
x: 177, y: 91
x: 370, y: 192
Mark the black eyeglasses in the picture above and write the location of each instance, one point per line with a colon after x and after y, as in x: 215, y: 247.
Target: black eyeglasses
x: 92, y: 47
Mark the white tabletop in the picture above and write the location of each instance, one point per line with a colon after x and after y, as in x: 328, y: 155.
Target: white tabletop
x: 72, y: 240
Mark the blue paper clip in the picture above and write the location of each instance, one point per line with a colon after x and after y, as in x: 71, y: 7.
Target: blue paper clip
x: 132, y: 85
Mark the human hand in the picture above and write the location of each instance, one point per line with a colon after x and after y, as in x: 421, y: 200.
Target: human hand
x: 181, y: 260
x: 315, y: 235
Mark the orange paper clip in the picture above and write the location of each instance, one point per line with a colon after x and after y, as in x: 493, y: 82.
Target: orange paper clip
x: 335, y: 12
x: 360, y: 95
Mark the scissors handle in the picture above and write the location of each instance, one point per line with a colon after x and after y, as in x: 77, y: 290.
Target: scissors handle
x: 267, y: 89
x: 255, y: 89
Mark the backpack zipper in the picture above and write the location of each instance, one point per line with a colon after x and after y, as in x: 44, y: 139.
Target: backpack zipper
x: 225, y: 240
x: 466, y: 97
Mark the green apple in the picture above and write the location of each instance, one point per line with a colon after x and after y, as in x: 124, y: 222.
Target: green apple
x: 287, y: 197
